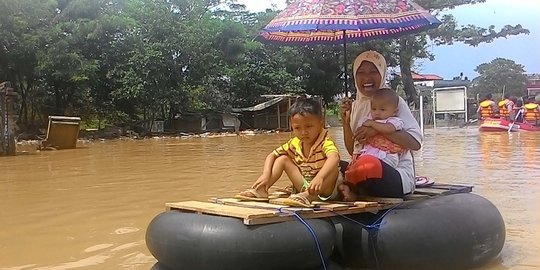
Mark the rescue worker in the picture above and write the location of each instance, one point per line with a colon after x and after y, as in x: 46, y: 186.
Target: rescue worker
x: 506, y: 106
x: 532, y: 112
x: 487, y: 107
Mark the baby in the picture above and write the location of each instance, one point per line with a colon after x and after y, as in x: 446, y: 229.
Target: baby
x: 366, y: 165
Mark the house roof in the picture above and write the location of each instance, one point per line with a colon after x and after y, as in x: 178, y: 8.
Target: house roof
x: 425, y: 77
x: 260, y: 106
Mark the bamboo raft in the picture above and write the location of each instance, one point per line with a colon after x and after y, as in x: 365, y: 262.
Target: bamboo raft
x: 273, y: 211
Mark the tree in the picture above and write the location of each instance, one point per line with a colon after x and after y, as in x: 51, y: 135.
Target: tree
x: 123, y: 61
x: 500, y: 75
x: 22, y: 23
x: 414, y: 47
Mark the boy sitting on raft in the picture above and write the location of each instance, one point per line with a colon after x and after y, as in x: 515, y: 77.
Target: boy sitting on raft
x: 310, y: 160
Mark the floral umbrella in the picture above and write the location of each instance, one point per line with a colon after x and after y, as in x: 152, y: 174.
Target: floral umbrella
x: 307, y: 22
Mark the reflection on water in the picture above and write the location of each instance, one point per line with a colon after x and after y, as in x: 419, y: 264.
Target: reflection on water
x: 88, y: 208
x: 503, y: 168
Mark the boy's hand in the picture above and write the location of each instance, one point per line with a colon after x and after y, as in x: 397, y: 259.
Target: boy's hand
x: 315, y: 185
x: 263, y: 180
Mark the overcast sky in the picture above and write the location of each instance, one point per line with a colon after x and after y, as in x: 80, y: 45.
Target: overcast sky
x: 451, y: 60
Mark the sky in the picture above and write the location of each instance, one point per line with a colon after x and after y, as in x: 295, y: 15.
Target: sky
x: 451, y: 60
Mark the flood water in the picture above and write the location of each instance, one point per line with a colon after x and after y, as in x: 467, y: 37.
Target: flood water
x: 88, y: 208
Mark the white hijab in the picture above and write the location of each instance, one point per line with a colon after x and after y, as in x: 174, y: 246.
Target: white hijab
x: 362, y: 105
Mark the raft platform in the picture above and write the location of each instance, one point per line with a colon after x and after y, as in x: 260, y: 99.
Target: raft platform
x: 274, y: 211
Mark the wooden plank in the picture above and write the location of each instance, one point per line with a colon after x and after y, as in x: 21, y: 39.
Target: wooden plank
x: 315, y: 214
x: 59, y: 117
x: 278, y: 194
x: 450, y: 186
x: 254, y: 213
x: 316, y: 204
x: 365, y: 204
x: 256, y: 205
x: 380, y: 199
x: 252, y: 204
x: 443, y: 190
x: 330, y: 206
x: 334, y: 205
x: 430, y: 191
x: 222, y: 210
x: 412, y: 197
x: 277, y: 201
x: 65, y: 123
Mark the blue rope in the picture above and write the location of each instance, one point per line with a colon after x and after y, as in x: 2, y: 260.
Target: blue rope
x: 376, y: 225
x: 368, y: 227
x: 386, y: 213
x: 371, y: 229
x: 310, y: 230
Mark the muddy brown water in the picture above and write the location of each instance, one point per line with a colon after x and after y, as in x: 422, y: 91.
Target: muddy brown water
x: 88, y: 208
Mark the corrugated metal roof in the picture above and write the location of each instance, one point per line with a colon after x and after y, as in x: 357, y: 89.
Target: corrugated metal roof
x: 259, y: 107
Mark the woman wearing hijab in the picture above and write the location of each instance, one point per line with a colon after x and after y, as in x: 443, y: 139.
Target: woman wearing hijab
x: 369, y: 75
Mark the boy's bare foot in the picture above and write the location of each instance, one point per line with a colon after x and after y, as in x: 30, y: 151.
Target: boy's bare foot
x: 347, y: 193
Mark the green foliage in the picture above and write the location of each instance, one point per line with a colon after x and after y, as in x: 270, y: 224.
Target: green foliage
x: 415, y: 47
x: 113, y: 61
x: 498, y: 76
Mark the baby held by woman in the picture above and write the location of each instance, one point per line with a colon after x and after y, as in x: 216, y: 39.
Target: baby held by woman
x: 383, y: 118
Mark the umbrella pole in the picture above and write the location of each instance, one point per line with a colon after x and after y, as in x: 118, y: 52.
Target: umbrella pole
x: 345, y: 63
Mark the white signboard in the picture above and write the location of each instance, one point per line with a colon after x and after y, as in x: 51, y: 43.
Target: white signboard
x: 450, y: 99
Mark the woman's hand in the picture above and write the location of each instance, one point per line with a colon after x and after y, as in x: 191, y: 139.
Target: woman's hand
x: 363, y: 132
x: 345, y: 110
x: 368, y: 123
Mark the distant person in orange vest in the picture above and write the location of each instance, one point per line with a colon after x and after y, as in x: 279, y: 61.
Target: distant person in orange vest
x: 532, y: 112
x: 487, y: 108
x: 506, y: 106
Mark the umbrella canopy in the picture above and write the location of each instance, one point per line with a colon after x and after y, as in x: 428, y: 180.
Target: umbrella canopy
x: 306, y: 22
x: 334, y: 21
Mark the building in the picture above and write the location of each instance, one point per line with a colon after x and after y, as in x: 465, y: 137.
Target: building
x: 533, y: 84
x: 425, y: 79
x: 210, y: 121
x: 272, y: 114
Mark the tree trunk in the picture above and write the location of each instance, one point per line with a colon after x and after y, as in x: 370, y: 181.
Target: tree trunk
x: 23, y: 112
x: 406, y: 77
x: 57, y: 101
x: 405, y: 64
